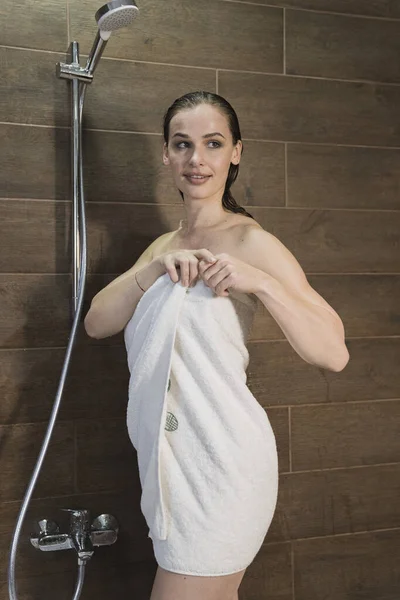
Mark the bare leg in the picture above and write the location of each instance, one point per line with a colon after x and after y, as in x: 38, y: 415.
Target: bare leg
x: 173, y: 586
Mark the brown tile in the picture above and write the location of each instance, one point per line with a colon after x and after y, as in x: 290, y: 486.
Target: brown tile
x: 276, y: 376
x: 377, y: 8
x: 41, y: 25
x: 269, y: 575
x: 96, y: 384
x: 106, y: 459
x: 300, y: 109
x: 35, y: 310
x: 118, y: 235
x: 353, y: 566
x: 189, y: 33
x: 261, y: 180
x: 345, y: 435
x: 20, y: 447
x: 326, y: 45
x: 337, y: 501
x: 279, y: 419
x: 38, y: 310
x: 30, y: 92
x: 321, y: 241
x: 36, y: 236
x: 119, y: 582
x: 339, y: 177
x: 325, y: 241
x: 135, y: 172
x: 49, y: 97
x: 29, y: 173
x: 154, y: 87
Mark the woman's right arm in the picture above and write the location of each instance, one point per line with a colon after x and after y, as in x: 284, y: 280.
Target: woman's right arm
x: 114, y: 305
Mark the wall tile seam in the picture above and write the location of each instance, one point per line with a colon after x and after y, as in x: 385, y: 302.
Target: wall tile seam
x: 227, y: 70
x: 268, y: 408
x: 316, y: 77
x: 244, y: 139
x: 292, y: 570
x: 68, y: 19
x: 289, y: 422
x: 342, y: 468
x: 55, y: 497
x: 42, y: 423
x: 315, y: 10
x: 76, y: 422
x: 344, y: 534
x: 94, y: 492
x: 250, y: 341
x: 335, y: 403
x: 175, y: 204
x: 75, y: 457
x: 52, y: 348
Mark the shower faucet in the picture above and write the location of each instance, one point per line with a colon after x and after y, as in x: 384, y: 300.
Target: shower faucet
x: 82, y: 536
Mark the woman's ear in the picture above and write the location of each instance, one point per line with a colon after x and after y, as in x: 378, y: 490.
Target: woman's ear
x: 237, y: 152
x: 165, y: 154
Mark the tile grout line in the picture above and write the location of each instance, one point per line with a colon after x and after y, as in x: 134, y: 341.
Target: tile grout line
x: 174, y: 204
x: 284, y: 40
x: 75, y: 462
x: 245, y: 139
x: 315, y: 10
x: 242, y: 71
x: 292, y: 568
x: 68, y: 25
x: 290, y: 437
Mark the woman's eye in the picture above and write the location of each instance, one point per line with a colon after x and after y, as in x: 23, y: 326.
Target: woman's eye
x: 179, y: 145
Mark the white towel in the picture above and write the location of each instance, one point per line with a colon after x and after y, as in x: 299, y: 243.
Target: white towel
x: 207, y: 454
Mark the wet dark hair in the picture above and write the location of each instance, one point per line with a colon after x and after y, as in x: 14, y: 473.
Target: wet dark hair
x: 193, y: 99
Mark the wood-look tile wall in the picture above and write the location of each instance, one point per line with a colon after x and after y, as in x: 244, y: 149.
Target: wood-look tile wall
x: 316, y: 89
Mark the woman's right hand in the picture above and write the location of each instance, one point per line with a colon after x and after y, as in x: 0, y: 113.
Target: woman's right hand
x: 187, y: 261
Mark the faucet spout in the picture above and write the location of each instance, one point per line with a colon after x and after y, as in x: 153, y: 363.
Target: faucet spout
x: 80, y: 533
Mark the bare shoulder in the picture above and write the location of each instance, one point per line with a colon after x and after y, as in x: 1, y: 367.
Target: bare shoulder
x: 262, y: 249
x: 162, y: 243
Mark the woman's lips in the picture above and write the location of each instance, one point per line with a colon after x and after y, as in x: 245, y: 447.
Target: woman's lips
x: 197, y: 180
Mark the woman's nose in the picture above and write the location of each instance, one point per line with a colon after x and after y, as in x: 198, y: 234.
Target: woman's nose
x: 196, y: 158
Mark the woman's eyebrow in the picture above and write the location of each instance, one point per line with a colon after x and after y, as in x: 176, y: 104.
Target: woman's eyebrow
x: 207, y: 135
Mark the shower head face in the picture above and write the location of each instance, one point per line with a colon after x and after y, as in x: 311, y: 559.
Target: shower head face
x: 115, y: 15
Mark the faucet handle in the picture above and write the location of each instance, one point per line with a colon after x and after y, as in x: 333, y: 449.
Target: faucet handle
x: 105, y: 522
x: 104, y: 530
x: 46, y: 527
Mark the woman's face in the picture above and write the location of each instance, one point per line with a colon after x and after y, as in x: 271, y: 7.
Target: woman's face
x: 189, y: 152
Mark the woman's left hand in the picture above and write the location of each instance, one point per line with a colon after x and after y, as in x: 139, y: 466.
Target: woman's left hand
x: 229, y: 272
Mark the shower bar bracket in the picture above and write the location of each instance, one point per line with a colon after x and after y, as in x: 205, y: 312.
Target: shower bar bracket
x: 73, y: 71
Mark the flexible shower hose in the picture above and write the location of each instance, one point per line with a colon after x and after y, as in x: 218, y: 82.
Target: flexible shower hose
x: 81, y: 290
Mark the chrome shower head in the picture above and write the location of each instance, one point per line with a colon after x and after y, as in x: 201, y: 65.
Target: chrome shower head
x: 110, y: 17
x: 116, y: 14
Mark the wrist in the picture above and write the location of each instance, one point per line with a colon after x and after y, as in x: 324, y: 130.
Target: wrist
x: 147, y: 275
x: 263, y: 283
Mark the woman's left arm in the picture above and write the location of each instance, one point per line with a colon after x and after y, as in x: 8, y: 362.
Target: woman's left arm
x: 310, y: 324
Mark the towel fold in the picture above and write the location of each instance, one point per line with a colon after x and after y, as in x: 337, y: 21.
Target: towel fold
x: 206, y: 451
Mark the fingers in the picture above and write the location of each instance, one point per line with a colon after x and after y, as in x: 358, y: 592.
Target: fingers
x: 187, y: 261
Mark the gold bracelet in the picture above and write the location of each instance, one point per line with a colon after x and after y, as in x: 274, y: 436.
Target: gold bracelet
x: 139, y: 283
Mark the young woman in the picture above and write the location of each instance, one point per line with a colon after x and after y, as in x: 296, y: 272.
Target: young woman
x: 221, y: 253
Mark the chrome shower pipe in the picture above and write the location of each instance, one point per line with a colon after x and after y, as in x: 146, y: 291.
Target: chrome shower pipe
x: 110, y: 17
x: 79, y: 275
